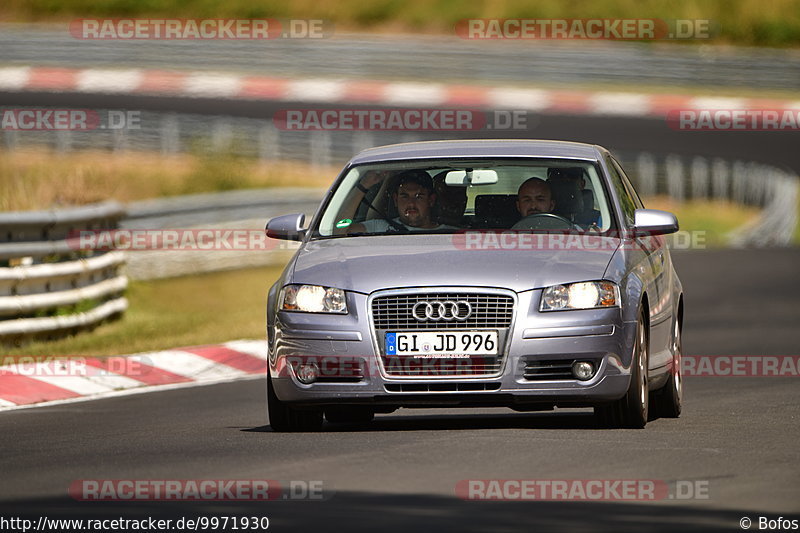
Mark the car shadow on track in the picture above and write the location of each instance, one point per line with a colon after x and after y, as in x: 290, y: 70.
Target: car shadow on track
x: 430, y: 422
x: 359, y: 511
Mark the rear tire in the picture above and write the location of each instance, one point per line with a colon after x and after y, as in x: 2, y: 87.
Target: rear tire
x: 631, y: 410
x: 669, y: 400
x: 285, y: 418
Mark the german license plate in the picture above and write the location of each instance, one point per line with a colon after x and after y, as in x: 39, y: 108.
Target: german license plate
x: 426, y: 343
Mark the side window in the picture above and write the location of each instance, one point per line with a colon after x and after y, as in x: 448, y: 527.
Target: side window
x: 628, y: 185
x: 626, y: 201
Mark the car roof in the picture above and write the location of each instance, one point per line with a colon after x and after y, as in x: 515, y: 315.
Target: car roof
x: 480, y: 148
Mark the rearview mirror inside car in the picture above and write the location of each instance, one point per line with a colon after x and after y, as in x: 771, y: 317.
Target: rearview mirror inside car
x: 470, y: 177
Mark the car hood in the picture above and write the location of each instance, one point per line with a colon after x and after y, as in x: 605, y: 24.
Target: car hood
x: 367, y: 264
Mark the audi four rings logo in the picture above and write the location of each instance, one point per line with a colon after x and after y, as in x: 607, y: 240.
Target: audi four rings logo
x: 438, y: 310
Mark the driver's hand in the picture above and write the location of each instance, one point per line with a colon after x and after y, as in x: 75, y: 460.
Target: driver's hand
x: 371, y: 178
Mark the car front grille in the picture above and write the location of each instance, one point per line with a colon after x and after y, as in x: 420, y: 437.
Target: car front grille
x: 489, y: 311
x: 442, y: 387
x: 394, y: 312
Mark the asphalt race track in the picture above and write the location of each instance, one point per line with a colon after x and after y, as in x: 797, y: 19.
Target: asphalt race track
x: 738, y: 438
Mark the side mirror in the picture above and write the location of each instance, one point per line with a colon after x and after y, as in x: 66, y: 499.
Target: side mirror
x: 648, y: 222
x: 287, y: 227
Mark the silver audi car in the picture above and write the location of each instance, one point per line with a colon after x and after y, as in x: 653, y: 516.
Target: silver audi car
x: 501, y: 273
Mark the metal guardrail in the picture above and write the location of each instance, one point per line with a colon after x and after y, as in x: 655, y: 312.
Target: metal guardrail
x: 49, y: 288
x: 236, y: 210
x: 421, y: 57
x: 772, y: 189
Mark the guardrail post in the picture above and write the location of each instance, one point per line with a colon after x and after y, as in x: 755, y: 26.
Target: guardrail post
x: 119, y: 139
x: 698, y: 174
x: 63, y: 141
x: 10, y: 139
x: 320, y: 145
x: 756, y: 174
x: 170, y: 134
x: 675, y: 177
x: 738, y: 182
x: 221, y: 135
x: 719, y: 173
x: 646, y: 172
x: 362, y: 140
x: 269, y: 142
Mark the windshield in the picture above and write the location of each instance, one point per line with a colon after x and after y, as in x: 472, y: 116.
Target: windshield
x: 450, y: 196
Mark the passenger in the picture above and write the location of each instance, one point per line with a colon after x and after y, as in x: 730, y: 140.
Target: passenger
x: 573, y: 200
x: 414, y: 197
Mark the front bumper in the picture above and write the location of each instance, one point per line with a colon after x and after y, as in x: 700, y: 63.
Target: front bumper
x: 597, y: 335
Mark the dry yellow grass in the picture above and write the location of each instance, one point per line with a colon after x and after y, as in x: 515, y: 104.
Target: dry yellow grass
x: 40, y: 179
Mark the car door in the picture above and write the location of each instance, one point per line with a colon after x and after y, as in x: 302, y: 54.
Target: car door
x: 659, y: 290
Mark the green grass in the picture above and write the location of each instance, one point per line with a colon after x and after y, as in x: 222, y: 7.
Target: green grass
x: 163, y: 314
x: 715, y: 219
x: 796, y: 239
x: 742, y: 22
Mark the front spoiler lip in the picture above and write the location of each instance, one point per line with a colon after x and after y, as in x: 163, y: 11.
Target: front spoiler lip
x: 607, y: 388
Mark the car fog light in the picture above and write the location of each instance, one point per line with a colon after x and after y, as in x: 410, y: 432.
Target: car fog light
x: 307, y: 373
x: 583, y: 370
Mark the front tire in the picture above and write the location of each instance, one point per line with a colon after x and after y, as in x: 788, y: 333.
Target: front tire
x: 631, y: 410
x: 285, y: 418
x: 668, y: 401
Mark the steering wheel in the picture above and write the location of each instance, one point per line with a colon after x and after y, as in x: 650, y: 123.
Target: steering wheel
x: 543, y: 221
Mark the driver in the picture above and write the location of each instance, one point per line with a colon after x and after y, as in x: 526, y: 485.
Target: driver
x: 535, y: 203
x: 534, y: 197
x: 414, y: 197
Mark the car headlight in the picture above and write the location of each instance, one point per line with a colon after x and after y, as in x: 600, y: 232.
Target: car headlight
x: 313, y: 299
x: 583, y: 295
